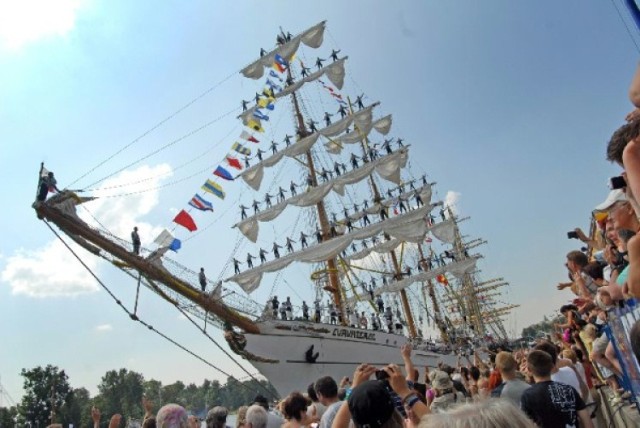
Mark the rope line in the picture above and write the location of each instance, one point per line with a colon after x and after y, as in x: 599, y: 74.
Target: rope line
x: 156, y: 126
x: 150, y: 327
x: 166, y: 146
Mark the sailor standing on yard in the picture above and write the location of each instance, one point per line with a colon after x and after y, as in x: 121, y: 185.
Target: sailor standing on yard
x: 318, y: 310
x: 135, y: 240
x: 274, y: 306
x: 203, y: 279
x: 289, y: 308
x: 305, y: 310
x: 283, y: 310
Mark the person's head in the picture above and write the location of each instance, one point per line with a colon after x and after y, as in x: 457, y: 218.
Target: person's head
x: 540, y: 363
x: 619, y: 140
x: 493, y: 413
x: 475, y: 373
x: 603, y: 299
x: 135, y: 228
x: 623, y: 216
x: 565, y: 309
x: 217, y: 417
x: 201, y: 269
x: 261, y: 400
x: 576, y: 260
x: 549, y: 348
x: 595, y: 271
x: 506, y: 365
x: 149, y: 422
x: 326, y: 390
x: 371, y: 405
x: 171, y: 416
x: 50, y: 174
x: 569, y: 354
x: 311, y: 392
x: 256, y: 417
x: 241, y: 417
x: 441, y: 382
x: 294, y: 406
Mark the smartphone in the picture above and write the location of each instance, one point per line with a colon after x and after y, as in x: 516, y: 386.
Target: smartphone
x: 617, y: 182
x: 572, y: 235
x: 381, y: 375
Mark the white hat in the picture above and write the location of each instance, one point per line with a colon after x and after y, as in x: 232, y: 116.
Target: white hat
x: 614, y: 196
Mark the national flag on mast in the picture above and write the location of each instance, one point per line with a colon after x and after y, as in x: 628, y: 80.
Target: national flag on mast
x: 442, y: 279
x: 246, y: 136
x: 200, y: 203
x: 185, y: 220
x: 234, y: 163
x: 214, y: 188
x: 241, y: 149
x: 223, y: 173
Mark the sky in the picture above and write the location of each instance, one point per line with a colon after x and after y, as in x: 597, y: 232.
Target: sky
x: 507, y: 105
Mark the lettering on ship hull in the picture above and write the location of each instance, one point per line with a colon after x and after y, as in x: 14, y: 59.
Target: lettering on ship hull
x: 354, y: 334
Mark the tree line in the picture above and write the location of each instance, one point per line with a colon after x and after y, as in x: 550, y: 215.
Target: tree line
x: 47, y: 389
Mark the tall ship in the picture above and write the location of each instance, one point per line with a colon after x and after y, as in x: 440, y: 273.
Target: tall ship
x: 386, y: 263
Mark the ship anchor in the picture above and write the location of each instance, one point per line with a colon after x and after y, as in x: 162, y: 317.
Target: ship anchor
x: 310, y: 356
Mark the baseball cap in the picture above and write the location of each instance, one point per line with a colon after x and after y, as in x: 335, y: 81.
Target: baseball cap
x: 614, y: 196
x: 370, y: 404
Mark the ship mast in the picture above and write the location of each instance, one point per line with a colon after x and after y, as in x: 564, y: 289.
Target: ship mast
x: 434, y: 301
x: 334, y: 286
x: 394, y: 259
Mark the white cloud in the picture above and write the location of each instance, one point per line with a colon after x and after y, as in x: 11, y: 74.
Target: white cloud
x: 49, y: 271
x: 52, y: 271
x: 26, y: 21
x: 104, y: 327
x: 451, y: 200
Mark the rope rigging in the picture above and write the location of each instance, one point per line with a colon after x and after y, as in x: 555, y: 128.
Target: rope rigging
x: 135, y: 317
x: 153, y: 128
x: 166, y: 146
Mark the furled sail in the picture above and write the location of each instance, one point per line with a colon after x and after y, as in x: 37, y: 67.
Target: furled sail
x: 254, y: 174
x: 334, y: 72
x: 312, y: 37
x: 386, y: 246
x: 458, y: 269
x: 334, y: 145
x: 388, y: 167
x: 410, y: 227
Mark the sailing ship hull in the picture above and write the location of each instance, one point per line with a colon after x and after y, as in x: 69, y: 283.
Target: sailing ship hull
x: 283, y: 352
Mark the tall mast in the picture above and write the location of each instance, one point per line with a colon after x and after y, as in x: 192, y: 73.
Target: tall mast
x: 469, y: 303
x: 394, y: 259
x: 434, y: 301
x: 334, y: 286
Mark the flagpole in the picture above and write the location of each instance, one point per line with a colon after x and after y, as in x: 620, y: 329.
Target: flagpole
x: 39, y: 179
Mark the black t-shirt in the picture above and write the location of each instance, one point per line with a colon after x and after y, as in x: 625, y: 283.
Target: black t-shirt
x: 552, y: 404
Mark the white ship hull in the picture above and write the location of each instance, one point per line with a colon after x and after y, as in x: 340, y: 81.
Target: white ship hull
x: 280, y: 351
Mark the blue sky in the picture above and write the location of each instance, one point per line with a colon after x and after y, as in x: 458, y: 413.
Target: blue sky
x: 509, y: 104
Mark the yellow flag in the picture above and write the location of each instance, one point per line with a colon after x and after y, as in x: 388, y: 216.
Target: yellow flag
x: 255, y: 125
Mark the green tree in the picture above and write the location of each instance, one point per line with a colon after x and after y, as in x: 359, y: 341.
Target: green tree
x: 77, y: 410
x: 121, y: 392
x: 153, y: 390
x: 8, y: 416
x: 173, y: 393
x: 45, y: 389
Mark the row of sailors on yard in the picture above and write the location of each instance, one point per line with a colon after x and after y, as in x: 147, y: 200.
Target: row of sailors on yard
x: 433, y: 261
x: 333, y: 316
x: 339, y: 168
x: 327, y: 175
